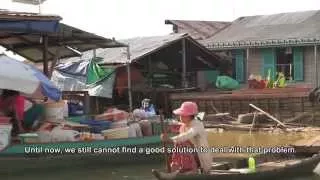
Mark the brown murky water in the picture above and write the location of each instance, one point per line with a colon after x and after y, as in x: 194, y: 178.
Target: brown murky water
x: 256, y: 140
x: 143, y: 171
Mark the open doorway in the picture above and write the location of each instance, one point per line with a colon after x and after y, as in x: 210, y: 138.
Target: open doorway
x: 284, y: 62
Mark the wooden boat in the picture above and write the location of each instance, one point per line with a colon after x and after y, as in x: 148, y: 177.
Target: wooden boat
x: 269, y: 166
x: 17, y: 158
x: 310, y: 145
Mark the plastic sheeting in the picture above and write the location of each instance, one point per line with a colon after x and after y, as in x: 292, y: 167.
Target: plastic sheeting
x: 96, y: 73
x: 68, y: 82
x: 47, y: 87
x: 74, y: 68
x: 85, y: 75
x: 16, y: 75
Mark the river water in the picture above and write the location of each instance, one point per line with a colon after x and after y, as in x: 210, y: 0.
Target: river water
x: 143, y: 171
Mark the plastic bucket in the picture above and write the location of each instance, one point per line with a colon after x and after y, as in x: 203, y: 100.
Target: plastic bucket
x: 5, y: 135
x: 54, y: 111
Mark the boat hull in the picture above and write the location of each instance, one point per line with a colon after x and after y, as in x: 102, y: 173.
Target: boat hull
x: 15, y: 160
x: 304, y: 168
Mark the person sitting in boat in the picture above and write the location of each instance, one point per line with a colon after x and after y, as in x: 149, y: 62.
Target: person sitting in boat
x: 26, y: 113
x: 148, y: 108
x: 192, y: 134
x: 144, y: 125
x: 143, y: 115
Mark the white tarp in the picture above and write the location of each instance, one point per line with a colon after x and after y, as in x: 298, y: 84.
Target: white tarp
x: 15, y: 75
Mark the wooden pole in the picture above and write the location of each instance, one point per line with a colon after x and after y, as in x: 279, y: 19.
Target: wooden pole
x: 45, y: 55
x: 166, y: 103
x: 184, y: 64
x: 267, y: 114
x: 315, y: 78
x: 253, y: 121
x: 247, y: 65
x: 150, y: 72
x: 54, y: 62
x: 94, y: 53
x: 39, y: 6
x: 164, y: 131
x: 87, y: 104
x: 217, y: 112
x: 129, y: 79
x: 316, y: 66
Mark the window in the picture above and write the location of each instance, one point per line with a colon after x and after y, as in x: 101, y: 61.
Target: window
x: 284, y: 62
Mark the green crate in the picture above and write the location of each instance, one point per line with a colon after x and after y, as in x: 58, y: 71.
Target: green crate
x: 76, y: 119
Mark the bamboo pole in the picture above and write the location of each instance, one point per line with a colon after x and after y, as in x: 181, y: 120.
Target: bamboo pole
x: 269, y: 115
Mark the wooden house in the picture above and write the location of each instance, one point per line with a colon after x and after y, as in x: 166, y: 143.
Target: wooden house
x: 286, y: 42
x: 167, y: 63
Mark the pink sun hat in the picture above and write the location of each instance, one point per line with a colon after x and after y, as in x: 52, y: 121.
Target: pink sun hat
x: 187, y: 109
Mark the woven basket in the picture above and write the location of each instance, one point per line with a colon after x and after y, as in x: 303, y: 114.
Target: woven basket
x: 117, y: 133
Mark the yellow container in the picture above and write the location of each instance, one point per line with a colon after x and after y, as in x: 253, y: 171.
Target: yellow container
x: 252, y: 164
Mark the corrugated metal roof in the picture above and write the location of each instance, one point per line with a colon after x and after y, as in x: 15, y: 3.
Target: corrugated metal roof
x: 33, y: 2
x: 13, y: 15
x: 139, y: 47
x: 198, y: 30
x: 67, y: 42
x: 269, y: 30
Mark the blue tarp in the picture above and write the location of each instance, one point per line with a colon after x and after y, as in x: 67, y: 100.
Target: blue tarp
x: 47, y: 87
x: 29, y: 26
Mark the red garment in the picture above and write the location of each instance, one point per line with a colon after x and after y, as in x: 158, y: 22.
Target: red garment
x: 19, y: 106
x: 175, y: 128
x: 184, y: 161
x: 17, y: 103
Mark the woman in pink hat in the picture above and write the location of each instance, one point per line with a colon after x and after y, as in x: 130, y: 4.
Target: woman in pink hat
x: 192, y: 135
